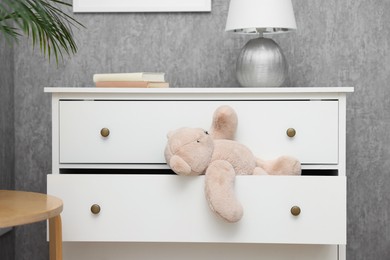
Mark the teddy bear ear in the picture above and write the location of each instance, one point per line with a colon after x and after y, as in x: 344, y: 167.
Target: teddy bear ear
x: 179, y: 166
x: 170, y: 133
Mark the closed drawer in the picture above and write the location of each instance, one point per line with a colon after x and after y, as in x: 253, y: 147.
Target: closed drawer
x: 138, y: 129
x: 170, y: 208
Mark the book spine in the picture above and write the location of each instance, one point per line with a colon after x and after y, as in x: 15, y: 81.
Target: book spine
x: 131, y: 84
x: 118, y: 77
x: 121, y: 84
x: 152, y: 77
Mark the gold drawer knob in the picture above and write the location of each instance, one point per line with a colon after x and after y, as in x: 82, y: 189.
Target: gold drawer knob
x: 105, y: 132
x: 95, y: 209
x: 291, y: 132
x: 295, y: 210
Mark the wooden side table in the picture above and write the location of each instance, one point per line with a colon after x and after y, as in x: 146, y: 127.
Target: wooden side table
x: 20, y: 208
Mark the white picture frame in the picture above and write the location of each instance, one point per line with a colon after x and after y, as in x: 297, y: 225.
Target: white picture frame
x: 113, y: 6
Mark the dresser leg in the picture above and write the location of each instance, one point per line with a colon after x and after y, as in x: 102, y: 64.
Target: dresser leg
x: 342, y: 252
x: 55, y: 238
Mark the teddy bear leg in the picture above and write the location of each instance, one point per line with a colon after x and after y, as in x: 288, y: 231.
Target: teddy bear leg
x: 259, y: 171
x: 219, y: 188
x: 224, y: 123
x: 283, y: 165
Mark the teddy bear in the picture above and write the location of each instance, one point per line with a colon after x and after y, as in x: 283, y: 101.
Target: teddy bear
x: 215, y: 153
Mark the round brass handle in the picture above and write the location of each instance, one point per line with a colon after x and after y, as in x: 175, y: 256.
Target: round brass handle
x: 95, y: 209
x: 105, y: 132
x: 295, y: 210
x: 291, y: 132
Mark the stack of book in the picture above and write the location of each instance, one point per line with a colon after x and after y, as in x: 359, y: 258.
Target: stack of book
x: 130, y: 80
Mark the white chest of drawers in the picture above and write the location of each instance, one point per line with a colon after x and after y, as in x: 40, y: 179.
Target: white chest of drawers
x: 124, y: 173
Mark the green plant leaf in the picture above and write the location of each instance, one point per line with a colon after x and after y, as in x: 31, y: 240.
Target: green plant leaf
x: 43, y: 21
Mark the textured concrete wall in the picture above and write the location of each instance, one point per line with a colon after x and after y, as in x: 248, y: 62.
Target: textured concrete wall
x: 6, y: 115
x: 338, y: 43
x: 6, y: 136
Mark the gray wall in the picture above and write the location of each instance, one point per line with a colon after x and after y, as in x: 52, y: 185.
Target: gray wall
x: 338, y: 43
x: 7, y: 130
x: 6, y: 115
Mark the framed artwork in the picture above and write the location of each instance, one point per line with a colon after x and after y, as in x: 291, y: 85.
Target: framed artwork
x: 100, y: 6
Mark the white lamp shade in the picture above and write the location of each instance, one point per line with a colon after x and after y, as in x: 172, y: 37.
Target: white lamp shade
x: 273, y: 16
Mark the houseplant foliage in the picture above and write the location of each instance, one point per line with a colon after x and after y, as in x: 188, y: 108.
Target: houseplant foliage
x: 43, y: 21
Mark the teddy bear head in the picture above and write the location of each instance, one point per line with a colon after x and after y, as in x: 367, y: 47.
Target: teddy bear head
x: 189, y: 151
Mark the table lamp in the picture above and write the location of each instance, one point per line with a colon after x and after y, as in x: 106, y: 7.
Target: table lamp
x: 261, y: 62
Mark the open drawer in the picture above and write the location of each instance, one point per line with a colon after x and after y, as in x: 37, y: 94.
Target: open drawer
x: 170, y: 208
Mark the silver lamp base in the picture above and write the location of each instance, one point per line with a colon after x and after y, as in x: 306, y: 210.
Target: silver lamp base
x: 261, y: 64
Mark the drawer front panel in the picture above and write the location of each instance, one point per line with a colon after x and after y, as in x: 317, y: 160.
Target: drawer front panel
x: 170, y: 208
x: 138, y: 129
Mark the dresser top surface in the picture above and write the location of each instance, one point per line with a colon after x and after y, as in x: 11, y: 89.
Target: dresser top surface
x: 201, y: 90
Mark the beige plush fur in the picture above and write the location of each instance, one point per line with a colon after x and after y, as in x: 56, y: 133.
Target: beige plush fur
x: 194, y: 151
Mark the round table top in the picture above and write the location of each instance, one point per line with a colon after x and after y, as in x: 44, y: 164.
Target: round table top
x: 21, y: 207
